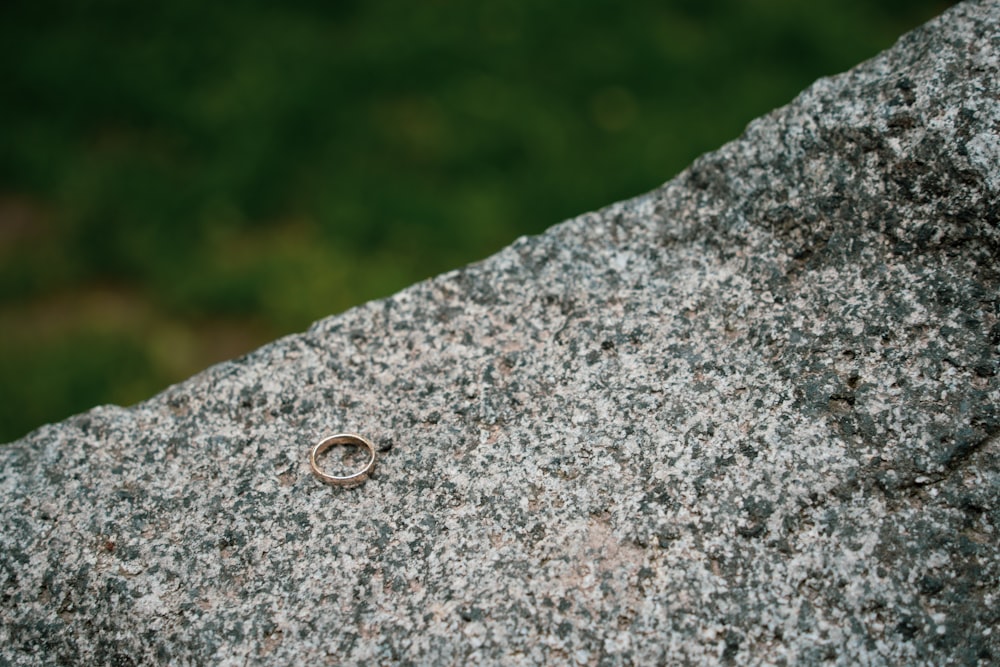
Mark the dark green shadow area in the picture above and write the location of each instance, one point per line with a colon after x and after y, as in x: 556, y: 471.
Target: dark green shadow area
x: 182, y: 181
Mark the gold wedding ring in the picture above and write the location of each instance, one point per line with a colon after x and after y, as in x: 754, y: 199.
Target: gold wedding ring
x: 342, y: 439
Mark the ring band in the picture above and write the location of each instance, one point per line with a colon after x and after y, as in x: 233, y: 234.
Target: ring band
x: 342, y: 439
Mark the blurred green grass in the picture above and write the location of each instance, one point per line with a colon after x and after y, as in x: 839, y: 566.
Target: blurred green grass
x: 181, y: 182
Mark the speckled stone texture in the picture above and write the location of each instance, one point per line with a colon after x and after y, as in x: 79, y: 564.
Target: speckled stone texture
x: 749, y: 418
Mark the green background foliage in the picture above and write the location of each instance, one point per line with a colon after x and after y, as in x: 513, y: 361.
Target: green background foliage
x: 183, y: 181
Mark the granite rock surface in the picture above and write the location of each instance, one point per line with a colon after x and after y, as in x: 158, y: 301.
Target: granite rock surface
x: 752, y: 417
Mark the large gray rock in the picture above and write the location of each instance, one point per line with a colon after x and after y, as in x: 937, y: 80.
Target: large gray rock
x: 750, y: 417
